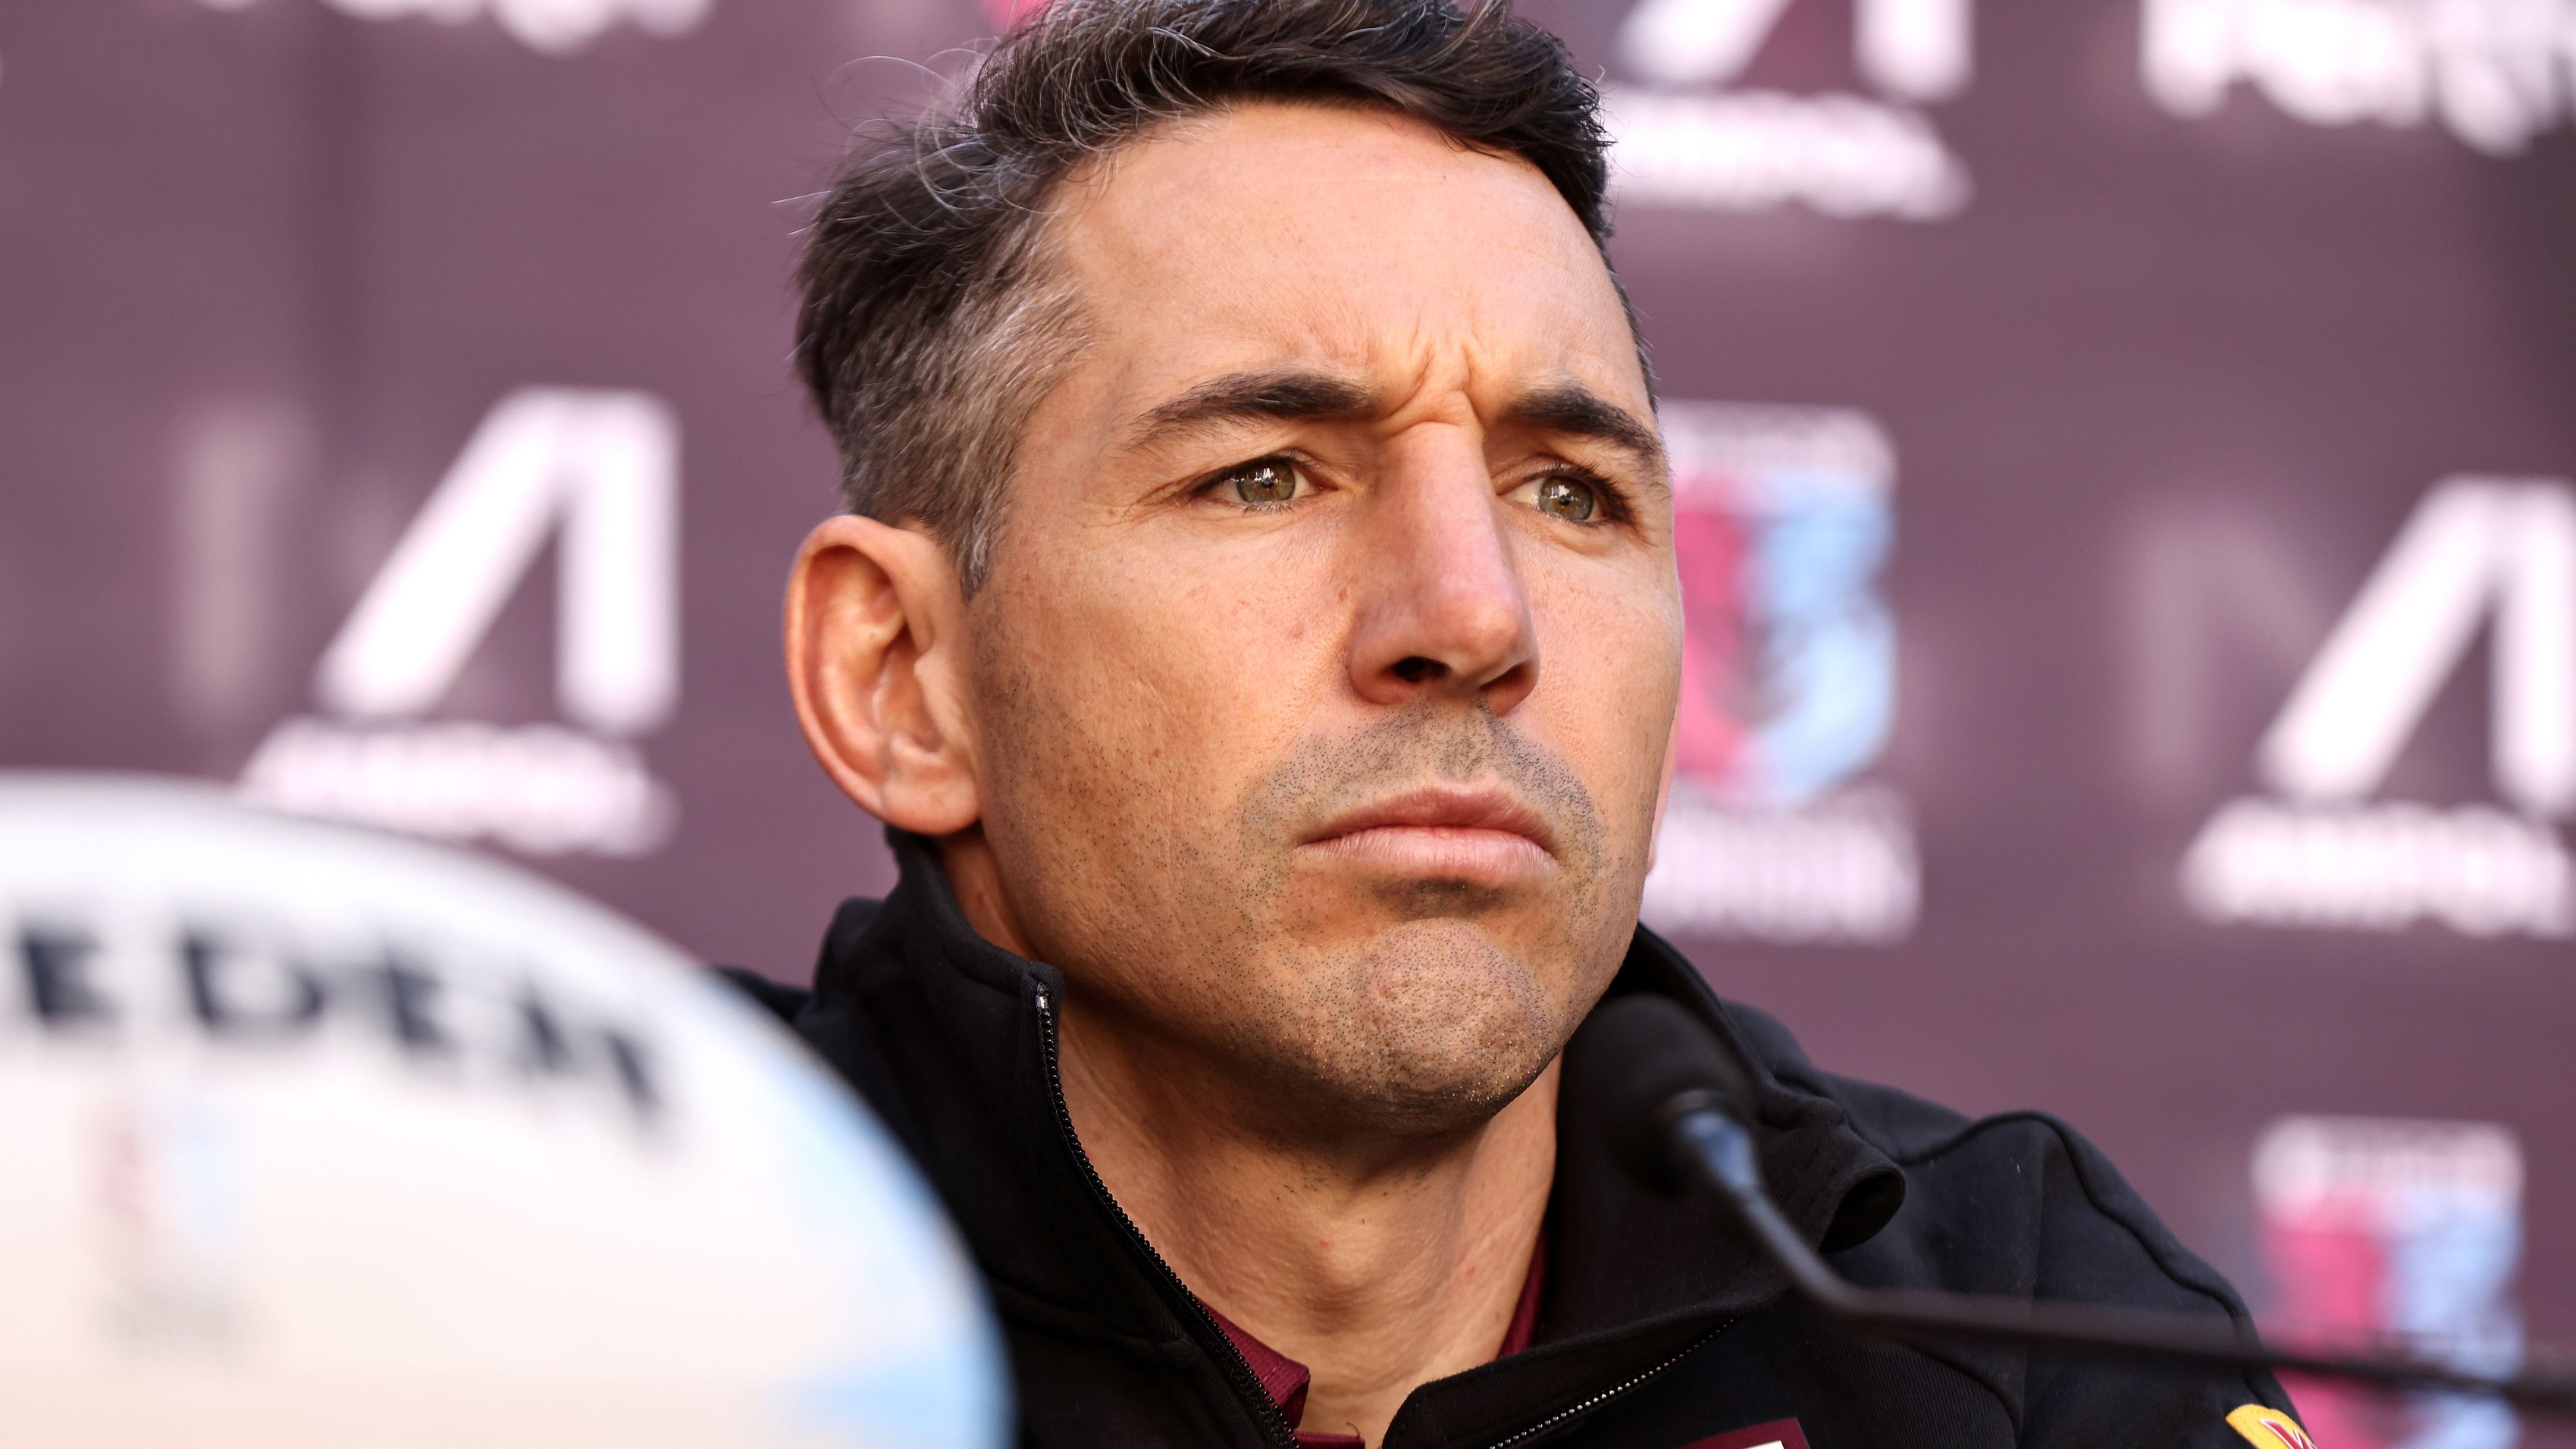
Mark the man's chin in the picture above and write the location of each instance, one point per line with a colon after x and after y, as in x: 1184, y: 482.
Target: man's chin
x: 1427, y: 1030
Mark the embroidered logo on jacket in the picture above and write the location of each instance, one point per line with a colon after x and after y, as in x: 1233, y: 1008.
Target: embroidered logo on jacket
x: 1778, y: 1434
x: 2269, y: 1427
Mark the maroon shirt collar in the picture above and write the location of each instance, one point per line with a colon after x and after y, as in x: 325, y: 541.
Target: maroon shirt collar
x: 1286, y: 1380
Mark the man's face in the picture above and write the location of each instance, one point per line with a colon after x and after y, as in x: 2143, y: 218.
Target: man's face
x: 1325, y: 668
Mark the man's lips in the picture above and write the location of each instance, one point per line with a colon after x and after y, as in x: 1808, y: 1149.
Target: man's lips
x: 1482, y: 833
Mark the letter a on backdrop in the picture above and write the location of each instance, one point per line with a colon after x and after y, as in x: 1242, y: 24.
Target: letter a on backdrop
x: 605, y: 465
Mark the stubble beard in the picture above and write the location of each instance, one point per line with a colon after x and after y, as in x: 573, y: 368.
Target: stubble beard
x: 1421, y: 1033
x: 1323, y: 1008
x: 1446, y: 999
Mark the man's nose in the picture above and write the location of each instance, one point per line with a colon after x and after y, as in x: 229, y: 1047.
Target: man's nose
x: 1441, y: 606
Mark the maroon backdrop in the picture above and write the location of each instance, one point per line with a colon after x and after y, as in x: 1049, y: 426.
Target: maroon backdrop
x: 2133, y: 579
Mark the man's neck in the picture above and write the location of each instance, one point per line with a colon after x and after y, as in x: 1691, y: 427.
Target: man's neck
x: 1379, y: 1265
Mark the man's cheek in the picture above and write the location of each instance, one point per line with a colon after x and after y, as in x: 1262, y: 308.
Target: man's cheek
x: 1232, y: 689
x: 1636, y: 721
x: 1653, y: 712
x: 1613, y: 719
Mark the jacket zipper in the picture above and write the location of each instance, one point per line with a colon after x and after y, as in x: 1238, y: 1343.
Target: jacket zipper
x: 1575, y: 1411
x: 1267, y: 1415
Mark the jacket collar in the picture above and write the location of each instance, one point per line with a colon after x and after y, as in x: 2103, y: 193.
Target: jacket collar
x: 938, y: 1026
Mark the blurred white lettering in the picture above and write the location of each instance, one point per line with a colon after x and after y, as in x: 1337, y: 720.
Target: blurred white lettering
x: 2476, y: 869
x: 1840, y: 154
x: 600, y: 467
x: 2327, y: 855
x: 1681, y: 42
x: 538, y: 789
x: 1756, y: 150
x: 604, y: 464
x: 1918, y: 49
x: 557, y: 27
x: 2474, y: 545
x: 1838, y: 870
x: 2493, y: 72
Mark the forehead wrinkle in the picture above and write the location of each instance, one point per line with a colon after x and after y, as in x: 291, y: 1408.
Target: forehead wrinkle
x: 1456, y: 378
x: 1350, y: 364
x: 1166, y: 222
x: 1423, y: 356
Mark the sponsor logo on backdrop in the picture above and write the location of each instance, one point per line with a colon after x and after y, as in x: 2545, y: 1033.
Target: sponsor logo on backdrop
x: 2373, y: 1226
x: 1782, y: 520
x: 1686, y: 138
x: 557, y: 27
x: 2493, y: 73
x: 2319, y: 849
x: 598, y: 473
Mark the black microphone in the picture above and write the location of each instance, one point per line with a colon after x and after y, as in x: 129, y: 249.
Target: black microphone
x: 1677, y: 1102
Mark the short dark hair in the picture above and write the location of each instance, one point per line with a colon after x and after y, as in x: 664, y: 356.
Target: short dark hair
x: 931, y: 324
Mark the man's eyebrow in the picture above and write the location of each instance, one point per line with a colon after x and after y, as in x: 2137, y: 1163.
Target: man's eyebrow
x: 1573, y: 410
x: 1305, y: 395
x: 1273, y: 394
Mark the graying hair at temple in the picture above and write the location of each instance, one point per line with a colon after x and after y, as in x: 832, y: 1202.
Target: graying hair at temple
x: 932, y: 324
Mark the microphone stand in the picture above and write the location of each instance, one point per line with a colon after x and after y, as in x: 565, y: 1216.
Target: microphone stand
x: 1712, y: 1148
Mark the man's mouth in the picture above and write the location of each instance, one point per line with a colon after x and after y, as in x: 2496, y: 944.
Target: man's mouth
x: 1475, y: 832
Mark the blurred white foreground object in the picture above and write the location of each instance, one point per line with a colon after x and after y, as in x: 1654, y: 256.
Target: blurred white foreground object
x: 313, y: 1136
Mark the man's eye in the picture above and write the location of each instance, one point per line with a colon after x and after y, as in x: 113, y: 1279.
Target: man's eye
x: 1571, y: 499
x: 1269, y: 482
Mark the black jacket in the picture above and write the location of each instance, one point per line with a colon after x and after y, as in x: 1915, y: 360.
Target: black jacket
x: 1658, y: 1329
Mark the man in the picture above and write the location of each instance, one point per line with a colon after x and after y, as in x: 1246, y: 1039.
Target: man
x: 1256, y: 620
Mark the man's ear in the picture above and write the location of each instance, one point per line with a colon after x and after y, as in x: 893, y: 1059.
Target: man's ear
x: 876, y: 659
